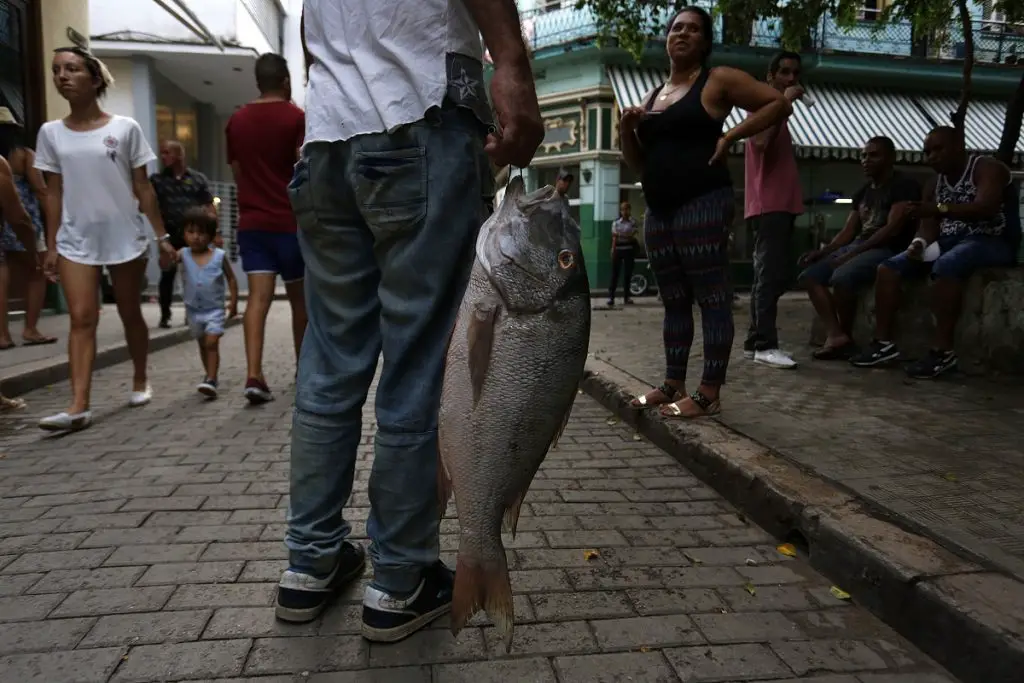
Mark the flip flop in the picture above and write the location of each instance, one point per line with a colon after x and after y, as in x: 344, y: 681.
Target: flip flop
x: 641, y: 402
x: 707, y: 406
x: 844, y: 352
x: 42, y: 341
x: 7, y: 347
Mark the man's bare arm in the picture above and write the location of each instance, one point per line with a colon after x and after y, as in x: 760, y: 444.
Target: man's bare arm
x: 498, y: 21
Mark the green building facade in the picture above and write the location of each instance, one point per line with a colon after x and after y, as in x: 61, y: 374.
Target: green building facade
x: 877, y: 81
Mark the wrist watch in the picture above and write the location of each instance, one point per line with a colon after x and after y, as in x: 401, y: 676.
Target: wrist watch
x: 943, y: 209
x: 163, y: 238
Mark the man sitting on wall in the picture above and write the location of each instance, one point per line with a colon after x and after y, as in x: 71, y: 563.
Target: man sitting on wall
x: 877, y: 229
x: 963, y: 214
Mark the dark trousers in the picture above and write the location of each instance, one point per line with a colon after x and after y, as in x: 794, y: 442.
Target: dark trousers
x: 688, y: 252
x: 622, y: 262
x: 167, y: 290
x: 773, y: 233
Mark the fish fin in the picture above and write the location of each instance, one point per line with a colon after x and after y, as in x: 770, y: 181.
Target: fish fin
x: 481, y: 342
x: 444, y: 487
x: 511, y: 518
x: 561, y: 428
x: 484, y: 586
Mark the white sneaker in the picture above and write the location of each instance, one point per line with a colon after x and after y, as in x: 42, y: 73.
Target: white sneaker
x: 775, y: 358
x: 66, y: 422
x: 140, y: 398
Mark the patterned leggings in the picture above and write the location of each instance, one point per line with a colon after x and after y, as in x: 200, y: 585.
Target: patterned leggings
x: 689, y: 257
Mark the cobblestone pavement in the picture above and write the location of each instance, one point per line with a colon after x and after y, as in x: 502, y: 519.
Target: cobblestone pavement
x: 944, y: 457
x: 147, y: 549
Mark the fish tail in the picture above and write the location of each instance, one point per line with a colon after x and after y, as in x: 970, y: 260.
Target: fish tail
x: 483, y: 585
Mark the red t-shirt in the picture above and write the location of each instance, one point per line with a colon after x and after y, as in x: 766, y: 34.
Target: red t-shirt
x: 263, y: 137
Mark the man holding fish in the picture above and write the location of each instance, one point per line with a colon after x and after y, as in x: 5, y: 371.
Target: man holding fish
x: 390, y: 193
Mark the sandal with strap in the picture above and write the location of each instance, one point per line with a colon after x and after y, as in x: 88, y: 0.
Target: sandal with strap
x: 706, y: 405
x: 641, y: 402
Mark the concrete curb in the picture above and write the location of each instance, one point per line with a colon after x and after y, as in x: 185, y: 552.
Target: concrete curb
x: 968, y: 618
x: 51, y: 371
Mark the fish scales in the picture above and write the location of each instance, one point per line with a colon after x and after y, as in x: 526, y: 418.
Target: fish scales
x: 514, y: 363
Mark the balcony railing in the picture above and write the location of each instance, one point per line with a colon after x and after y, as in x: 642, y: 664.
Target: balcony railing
x: 994, y: 42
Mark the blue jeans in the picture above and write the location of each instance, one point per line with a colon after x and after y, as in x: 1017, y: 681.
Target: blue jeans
x: 387, y: 225
x: 960, y: 257
x: 855, y: 274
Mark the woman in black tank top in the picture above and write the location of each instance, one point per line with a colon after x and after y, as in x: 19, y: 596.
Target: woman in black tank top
x: 675, y: 142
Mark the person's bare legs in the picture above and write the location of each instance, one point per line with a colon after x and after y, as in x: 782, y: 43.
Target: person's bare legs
x: 947, y: 296
x: 5, y: 281
x: 827, y: 309
x: 126, y: 280
x: 296, y: 292
x: 79, y: 283
x: 210, y: 348
x: 201, y: 344
x: 35, y: 296
x: 257, y: 306
x: 887, y: 301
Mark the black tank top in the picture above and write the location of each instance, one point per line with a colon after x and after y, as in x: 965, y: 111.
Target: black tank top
x: 677, y: 144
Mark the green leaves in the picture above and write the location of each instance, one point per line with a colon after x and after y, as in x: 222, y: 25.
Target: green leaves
x: 638, y: 24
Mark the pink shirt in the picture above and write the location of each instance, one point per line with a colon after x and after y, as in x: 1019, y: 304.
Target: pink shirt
x: 771, y: 182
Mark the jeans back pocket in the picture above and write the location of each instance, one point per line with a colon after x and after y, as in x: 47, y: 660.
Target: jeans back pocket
x: 391, y: 189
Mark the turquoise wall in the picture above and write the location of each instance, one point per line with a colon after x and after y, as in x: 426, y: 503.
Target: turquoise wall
x: 552, y: 79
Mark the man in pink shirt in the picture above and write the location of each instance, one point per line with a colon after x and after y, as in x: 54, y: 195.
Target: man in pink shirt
x: 773, y: 201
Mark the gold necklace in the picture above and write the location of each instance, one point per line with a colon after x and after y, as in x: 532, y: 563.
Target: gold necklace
x: 689, y: 81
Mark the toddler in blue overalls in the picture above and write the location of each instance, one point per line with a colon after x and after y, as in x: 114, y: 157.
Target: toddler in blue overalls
x: 206, y: 274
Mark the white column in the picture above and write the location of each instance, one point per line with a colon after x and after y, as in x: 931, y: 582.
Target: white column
x: 144, y: 101
x: 144, y: 104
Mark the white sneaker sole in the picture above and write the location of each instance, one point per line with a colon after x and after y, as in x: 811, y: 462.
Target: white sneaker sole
x: 777, y: 366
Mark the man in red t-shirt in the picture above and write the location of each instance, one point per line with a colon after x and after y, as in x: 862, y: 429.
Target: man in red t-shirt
x: 263, y: 139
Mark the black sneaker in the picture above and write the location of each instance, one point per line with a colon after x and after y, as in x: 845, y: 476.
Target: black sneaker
x: 165, y: 323
x: 877, y: 353
x: 933, y: 365
x: 208, y: 388
x: 302, y: 597
x: 387, y: 619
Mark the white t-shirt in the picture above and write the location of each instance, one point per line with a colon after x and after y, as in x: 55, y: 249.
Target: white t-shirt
x: 100, y: 220
x: 380, y: 64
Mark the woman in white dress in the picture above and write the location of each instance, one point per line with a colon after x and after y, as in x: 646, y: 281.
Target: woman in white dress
x: 95, y: 169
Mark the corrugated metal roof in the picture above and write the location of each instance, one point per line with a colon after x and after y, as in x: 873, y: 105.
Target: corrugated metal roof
x: 843, y: 118
x: 983, y: 125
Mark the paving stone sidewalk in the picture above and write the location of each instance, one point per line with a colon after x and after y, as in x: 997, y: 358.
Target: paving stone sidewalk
x: 147, y: 549
x: 944, y: 458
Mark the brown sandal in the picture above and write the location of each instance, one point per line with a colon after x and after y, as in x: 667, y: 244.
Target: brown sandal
x: 706, y: 405
x: 641, y: 402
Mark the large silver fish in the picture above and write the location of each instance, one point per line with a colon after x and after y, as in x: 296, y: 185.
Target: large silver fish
x: 514, y: 363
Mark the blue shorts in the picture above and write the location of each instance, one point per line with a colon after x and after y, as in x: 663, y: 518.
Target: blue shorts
x: 206, y: 323
x: 960, y: 257
x: 271, y: 253
x: 857, y: 273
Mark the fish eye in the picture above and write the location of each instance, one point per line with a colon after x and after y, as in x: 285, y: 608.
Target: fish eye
x: 566, y: 260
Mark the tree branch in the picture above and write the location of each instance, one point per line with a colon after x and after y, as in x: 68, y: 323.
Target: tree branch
x: 960, y: 115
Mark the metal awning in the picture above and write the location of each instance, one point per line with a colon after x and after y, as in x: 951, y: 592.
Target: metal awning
x: 984, y: 123
x: 836, y: 127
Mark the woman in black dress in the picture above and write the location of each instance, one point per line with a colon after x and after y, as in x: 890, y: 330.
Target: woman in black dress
x: 675, y: 142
